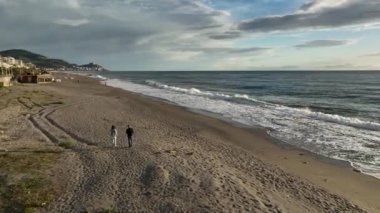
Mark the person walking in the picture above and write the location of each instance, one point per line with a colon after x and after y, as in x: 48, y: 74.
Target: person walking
x: 114, y: 135
x: 129, y: 132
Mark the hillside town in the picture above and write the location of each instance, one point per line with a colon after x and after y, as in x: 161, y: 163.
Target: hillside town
x: 21, y: 71
x: 12, y: 69
x: 19, y: 58
x: 10, y: 62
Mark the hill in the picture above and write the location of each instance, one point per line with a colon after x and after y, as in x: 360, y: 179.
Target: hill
x: 91, y: 66
x: 36, y: 59
x: 42, y: 61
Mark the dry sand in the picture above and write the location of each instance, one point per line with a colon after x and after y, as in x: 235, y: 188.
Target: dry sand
x: 182, y: 161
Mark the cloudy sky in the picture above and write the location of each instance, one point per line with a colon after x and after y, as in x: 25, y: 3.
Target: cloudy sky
x: 198, y: 34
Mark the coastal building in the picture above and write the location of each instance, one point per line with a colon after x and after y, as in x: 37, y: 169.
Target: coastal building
x: 27, y: 78
x: 36, y: 77
x: 23, y: 72
x: 10, y: 62
x: 45, y: 78
x: 4, y: 62
x: 5, y: 81
x: 19, y: 63
x: 5, y: 78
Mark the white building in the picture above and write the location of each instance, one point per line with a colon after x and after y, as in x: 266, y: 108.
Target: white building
x: 8, y: 62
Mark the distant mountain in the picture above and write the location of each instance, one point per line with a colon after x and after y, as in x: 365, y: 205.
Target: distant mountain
x: 48, y: 63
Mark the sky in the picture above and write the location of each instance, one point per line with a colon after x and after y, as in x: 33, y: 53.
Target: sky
x: 133, y: 35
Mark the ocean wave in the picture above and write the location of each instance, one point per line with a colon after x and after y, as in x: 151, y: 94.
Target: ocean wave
x: 253, y: 87
x: 101, y: 77
x: 192, y: 91
x: 249, y: 98
x: 354, y: 122
x: 196, y: 91
x: 325, y: 134
x: 338, y: 119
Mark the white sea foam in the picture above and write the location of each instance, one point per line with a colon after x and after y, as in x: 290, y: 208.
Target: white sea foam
x: 87, y: 74
x: 192, y: 91
x: 355, y: 122
x: 195, y: 91
x: 101, y: 77
x: 344, y: 138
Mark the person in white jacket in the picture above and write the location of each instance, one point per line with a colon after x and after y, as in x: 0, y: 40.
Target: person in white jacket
x: 114, y: 135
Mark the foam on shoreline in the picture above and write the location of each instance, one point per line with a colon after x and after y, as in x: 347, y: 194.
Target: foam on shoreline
x: 331, y: 136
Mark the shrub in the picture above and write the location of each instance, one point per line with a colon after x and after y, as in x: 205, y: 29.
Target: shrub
x: 67, y: 143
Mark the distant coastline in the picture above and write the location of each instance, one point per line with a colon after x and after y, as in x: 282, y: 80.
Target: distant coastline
x: 30, y: 59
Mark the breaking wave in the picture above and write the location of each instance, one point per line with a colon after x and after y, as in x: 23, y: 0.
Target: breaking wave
x: 345, y: 138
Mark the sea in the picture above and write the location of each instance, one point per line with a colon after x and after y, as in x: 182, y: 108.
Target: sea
x: 333, y: 114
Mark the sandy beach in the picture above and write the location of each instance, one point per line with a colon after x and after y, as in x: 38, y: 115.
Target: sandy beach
x: 181, y: 161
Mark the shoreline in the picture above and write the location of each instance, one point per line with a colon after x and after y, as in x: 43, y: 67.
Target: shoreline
x: 278, y: 142
x: 343, y: 168
x: 254, y: 129
x: 184, y: 160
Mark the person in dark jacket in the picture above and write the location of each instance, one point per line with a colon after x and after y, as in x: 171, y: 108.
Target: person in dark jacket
x: 114, y: 135
x: 129, y: 133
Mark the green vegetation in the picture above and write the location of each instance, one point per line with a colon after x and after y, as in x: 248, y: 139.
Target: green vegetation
x: 28, y: 194
x: 24, y: 161
x: 111, y: 210
x: 24, y: 186
x: 67, y: 143
x: 41, y: 98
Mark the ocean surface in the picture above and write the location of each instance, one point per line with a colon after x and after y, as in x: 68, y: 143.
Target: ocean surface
x: 334, y: 114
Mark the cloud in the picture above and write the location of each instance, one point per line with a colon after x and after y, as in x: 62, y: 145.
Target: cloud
x: 371, y: 55
x: 167, y: 34
x: 229, y: 50
x: 188, y: 54
x: 257, y: 50
x: 323, y: 43
x: 319, y: 14
x: 226, y: 35
x: 347, y: 66
x: 113, y: 32
x: 317, y: 5
x: 71, y: 22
